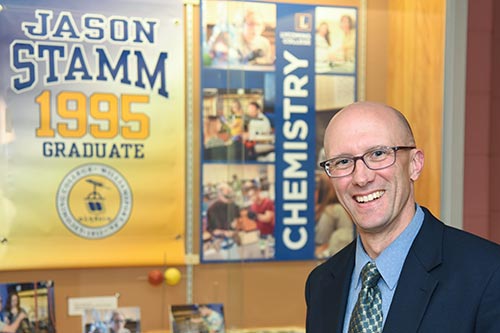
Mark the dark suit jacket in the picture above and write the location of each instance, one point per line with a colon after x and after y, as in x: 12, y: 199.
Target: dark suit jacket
x: 450, y: 283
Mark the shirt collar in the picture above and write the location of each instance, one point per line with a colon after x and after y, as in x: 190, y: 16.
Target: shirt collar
x: 390, y: 261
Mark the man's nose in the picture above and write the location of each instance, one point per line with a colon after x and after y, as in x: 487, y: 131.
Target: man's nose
x: 361, y: 174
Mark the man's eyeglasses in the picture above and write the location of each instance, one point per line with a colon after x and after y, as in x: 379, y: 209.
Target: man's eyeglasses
x: 374, y: 159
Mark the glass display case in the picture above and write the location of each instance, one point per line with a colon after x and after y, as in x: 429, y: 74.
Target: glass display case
x: 220, y: 158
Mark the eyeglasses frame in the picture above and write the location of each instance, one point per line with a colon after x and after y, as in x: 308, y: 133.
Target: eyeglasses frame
x: 362, y: 158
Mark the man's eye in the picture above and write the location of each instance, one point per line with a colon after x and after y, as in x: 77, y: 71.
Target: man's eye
x: 378, y: 154
x: 341, y: 162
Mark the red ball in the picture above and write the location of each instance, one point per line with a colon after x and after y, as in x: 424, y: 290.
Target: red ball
x: 155, y: 277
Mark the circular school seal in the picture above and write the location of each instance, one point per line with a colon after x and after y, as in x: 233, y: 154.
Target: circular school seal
x: 94, y: 201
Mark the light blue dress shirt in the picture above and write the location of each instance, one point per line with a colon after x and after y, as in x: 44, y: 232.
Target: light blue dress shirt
x: 389, y: 263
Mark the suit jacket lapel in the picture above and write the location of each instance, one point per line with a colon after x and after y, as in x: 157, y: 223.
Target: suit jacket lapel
x: 338, y: 287
x: 416, y: 283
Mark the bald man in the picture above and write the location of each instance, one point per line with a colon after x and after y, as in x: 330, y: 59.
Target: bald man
x: 426, y: 276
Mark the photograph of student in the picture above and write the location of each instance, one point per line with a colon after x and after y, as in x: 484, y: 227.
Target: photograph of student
x: 6, y: 326
x: 239, y: 35
x: 238, y: 213
x: 27, y: 307
x: 253, y: 48
x: 197, y: 318
x: 219, y: 233
x: 213, y: 319
x: 117, y: 323
x: 14, y: 311
x: 335, y: 40
x: 120, y: 320
x: 236, y: 128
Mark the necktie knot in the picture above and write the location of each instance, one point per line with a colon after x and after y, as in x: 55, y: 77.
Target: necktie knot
x: 370, y: 275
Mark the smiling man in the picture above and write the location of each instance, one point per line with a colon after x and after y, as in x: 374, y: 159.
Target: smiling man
x: 406, y: 271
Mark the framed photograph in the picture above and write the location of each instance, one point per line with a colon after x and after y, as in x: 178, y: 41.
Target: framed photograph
x: 239, y: 35
x: 238, y: 212
x: 197, y: 318
x: 336, y: 39
x: 238, y: 125
x: 119, y: 320
x: 27, y: 307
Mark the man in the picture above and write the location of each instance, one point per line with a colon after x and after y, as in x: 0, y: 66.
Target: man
x: 117, y: 323
x: 252, y: 47
x: 261, y: 211
x: 223, y: 213
x: 259, y: 126
x: 212, y: 319
x: 259, y: 132
x: 418, y: 275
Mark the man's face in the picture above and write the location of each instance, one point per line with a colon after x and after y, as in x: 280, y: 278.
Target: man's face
x: 377, y: 200
x: 253, y: 195
x: 226, y: 194
x: 118, y: 322
x: 253, y: 27
x: 252, y: 111
x: 204, y: 311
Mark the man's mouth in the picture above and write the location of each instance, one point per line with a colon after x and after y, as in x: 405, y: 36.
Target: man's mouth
x: 369, y: 197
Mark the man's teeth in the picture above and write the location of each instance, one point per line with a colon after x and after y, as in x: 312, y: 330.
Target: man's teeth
x: 369, y: 197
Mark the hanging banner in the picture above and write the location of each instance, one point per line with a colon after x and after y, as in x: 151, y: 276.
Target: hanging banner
x: 272, y: 76
x: 92, y: 141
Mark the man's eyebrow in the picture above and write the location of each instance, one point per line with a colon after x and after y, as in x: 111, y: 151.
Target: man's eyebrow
x: 340, y: 156
x: 351, y: 155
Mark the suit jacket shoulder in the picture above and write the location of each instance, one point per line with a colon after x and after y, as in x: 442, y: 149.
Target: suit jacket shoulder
x: 326, y: 292
x: 449, y: 283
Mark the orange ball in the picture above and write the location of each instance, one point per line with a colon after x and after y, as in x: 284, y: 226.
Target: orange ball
x: 155, y: 277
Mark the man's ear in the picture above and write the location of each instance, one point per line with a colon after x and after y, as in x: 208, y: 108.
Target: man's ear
x: 416, y: 164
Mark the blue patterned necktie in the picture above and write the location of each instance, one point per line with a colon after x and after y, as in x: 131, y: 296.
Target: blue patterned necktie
x: 367, y: 314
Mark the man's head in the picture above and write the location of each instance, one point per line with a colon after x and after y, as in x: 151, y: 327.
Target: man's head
x: 379, y: 201
x: 252, y: 25
x: 253, y: 193
x: 204, y: 310
x: 225, y: 193
x: 117, y: 321
x: 253, y: 109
